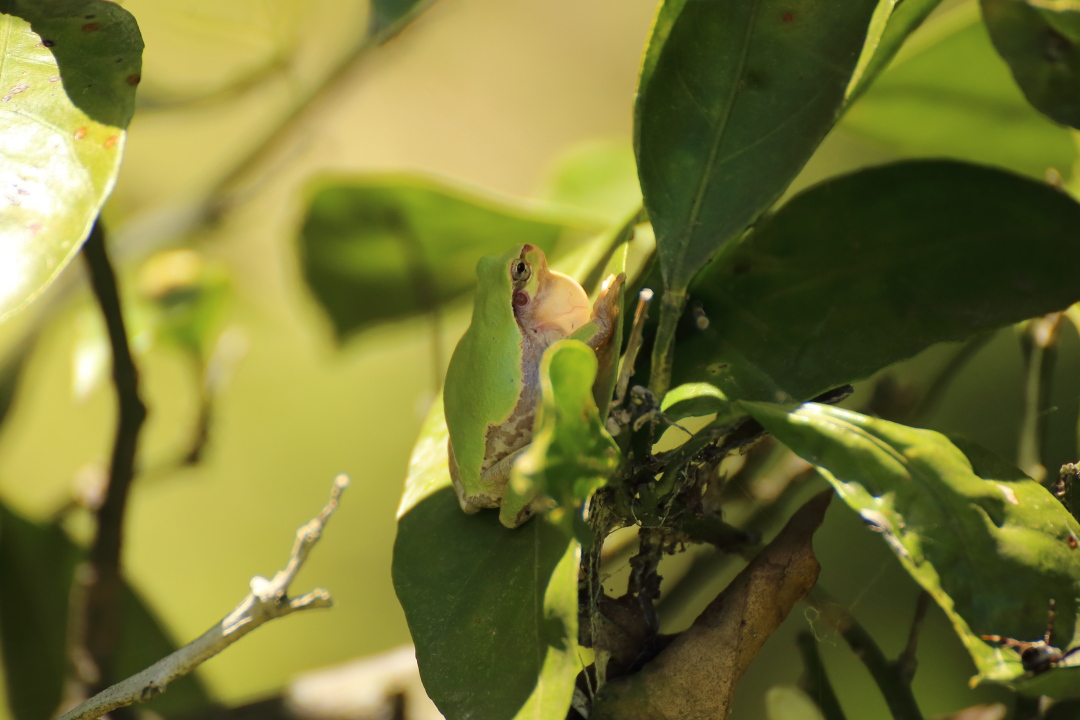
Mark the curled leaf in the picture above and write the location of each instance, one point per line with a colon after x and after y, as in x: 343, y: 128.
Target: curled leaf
x: 990, y: 545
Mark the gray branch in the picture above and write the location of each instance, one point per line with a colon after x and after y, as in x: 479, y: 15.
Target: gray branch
x: 268, y: 599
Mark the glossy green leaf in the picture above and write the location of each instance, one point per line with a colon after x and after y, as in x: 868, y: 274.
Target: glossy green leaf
x: 68, y: 71
x: 666, y: 14
x: 492, y: 611
x: 954, y: 98
x: 991, y: 545
x: 893, y: 22
x: 1039, y: 42
x: 693, y: 400
x: 37, y: 563
x: 599, y: 178
x: 865, y: 270
x: 386, y: 248
x: 734, y: 97
x: 572, y: 453
x: 389, y: 17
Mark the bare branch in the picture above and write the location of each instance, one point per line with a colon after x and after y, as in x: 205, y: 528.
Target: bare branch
x: 906, y: 663
x: 815, y: 681
x: 267, y: 600
x: 894, y: 686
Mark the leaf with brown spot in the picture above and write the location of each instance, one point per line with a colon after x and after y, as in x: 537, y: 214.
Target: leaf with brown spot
x: 64, y: 105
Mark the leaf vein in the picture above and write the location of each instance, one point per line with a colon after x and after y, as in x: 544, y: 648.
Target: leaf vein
x: 718, y: 136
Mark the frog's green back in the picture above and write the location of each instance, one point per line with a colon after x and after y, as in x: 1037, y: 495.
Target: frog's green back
x: 484, y: 378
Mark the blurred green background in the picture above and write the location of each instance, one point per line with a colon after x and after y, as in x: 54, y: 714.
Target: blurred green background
x: 489, y: 93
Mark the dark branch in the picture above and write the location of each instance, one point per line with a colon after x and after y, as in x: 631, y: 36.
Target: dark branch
x: 906, y: 663
x: 815, y: 681
x: 894, y: 688
x: 104, y: 581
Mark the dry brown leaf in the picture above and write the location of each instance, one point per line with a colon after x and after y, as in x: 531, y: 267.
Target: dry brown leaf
x: 695, y: 677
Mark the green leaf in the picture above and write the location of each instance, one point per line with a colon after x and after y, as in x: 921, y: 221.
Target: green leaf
x: 182, y: 298
x: 1039, y: 42
x: 666, y: 14
x: 955, y: 99
x: 37, y: 564
x: 571, y: 454
x: 492, y: 611
x: 734, y: 97
x: 693, y: 400
x: 990, y: 544
x: 865, y: 270
x: 429, y: 464
x: 389, y: 17
x: 68, y: 71
x: 892, y: 23
x: 380, y: 249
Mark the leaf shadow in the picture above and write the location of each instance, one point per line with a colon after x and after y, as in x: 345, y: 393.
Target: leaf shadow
x: 98, y: 49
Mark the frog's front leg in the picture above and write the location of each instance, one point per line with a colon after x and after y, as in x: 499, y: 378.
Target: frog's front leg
x: 515, y: 507
x: 606, y: 311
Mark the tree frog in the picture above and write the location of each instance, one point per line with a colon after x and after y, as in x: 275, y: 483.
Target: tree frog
x: 493, y: 381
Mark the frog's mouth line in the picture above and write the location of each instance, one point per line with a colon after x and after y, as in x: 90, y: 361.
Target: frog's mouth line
x: 552, y: 321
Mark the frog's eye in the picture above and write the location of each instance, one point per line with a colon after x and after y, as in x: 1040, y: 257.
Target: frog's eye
x: 520, y: 271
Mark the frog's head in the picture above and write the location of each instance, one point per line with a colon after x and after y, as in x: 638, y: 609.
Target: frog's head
x: 545, y: 301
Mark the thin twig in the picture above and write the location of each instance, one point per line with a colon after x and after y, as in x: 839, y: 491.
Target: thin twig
x: 633, y: 345
x: 222, y: 195
x: 268, y: 599
x: 704, y: 568
x: 906, y: 662
x: 102, y: 608
x: 672, y: 303
x: 894, y: 689
x: 815, y: 682
x: 1039, y: 341
x: 941, y: 382
x: 229, y: 190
